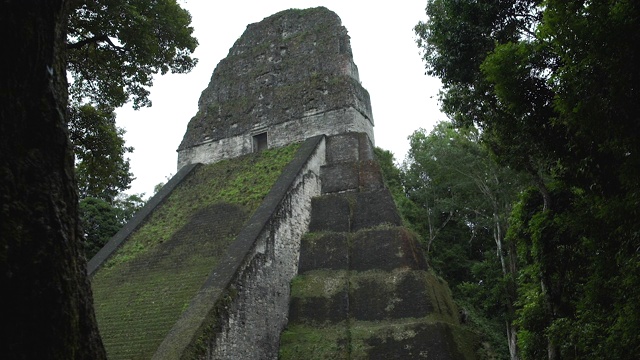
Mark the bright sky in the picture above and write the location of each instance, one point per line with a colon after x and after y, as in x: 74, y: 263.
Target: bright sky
x: 403, y: 98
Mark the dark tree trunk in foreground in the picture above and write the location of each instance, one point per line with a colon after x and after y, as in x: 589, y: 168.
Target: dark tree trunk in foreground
x: 46, y: 299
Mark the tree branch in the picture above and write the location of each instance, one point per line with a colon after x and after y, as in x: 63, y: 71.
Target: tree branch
x: 94, y: 40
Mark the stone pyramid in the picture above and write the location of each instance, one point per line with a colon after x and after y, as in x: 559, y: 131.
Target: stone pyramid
x: 277, y: 236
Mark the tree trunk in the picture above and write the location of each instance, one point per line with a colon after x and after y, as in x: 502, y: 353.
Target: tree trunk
x: 512, y: 340
x: 47, y: 310
x: 508, y: 270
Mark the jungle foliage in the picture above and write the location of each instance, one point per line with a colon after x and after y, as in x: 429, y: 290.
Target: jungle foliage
x: 113, y: 50
x: 552, y: 89
x: 116, y: 46
x: 101, y: 220
x: 458, y: 199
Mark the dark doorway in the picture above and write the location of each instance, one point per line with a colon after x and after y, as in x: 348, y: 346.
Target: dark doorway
x: 260, y: 142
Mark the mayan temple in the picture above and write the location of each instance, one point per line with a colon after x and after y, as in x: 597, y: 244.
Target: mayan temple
x: 277, y: 238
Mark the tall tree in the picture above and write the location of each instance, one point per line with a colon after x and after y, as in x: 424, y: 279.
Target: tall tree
x: 47, y: 309
x: 456, y: 41
x: 115, y: 47
x: 457, y: 184
x: 552, y: 87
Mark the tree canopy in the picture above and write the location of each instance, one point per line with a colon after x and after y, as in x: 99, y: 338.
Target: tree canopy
x: 102, y: 170
x: 460, y: 201
x: 101, y: 220
x: 116, y: 46
x: 554, y: 89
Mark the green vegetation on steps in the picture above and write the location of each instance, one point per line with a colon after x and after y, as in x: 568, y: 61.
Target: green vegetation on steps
x: 144, y: 288
x: 244, y: 182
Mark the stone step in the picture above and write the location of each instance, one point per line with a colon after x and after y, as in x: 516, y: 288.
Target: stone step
x: 378, y: 248
x: 422, y: 339
x: 319, y: 297
x: 315, y: 342
x: 381, y: 295
x: 363, y: 290
x: 326, y: 296
x: 378, y: 340
x: 385, y: 249
x: 330, y: 213
x: 374, y: 208
x: 328, y: 251
x: 351, y: 176
x: 350, y: 212
x: 349, y: 147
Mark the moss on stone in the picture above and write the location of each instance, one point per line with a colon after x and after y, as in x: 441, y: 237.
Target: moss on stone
x: 404, y: 339
x: 402, y: 313
x: 210, y: 325
x: 243, y: 181
x: 468, y: 342
x: 319, y: 283
x: 144, y: 288
x: 313, y: 343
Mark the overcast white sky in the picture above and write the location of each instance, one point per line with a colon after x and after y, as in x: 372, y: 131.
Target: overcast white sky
x: 403, y: 98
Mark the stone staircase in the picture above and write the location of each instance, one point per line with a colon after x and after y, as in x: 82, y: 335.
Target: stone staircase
x: 363, y: 290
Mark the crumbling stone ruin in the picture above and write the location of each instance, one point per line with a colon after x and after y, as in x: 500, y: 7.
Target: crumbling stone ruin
x: 277, y: 238
x: 288, y: 78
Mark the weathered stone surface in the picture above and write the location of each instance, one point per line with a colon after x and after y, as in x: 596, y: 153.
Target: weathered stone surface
x: 340, y: 177
x: 420, y: 340
x: 351, y: 176
x: 350, y: 165
x: 349, y: 147
x: 319, y: 297
x: 293, y: 67
x: 378, y: 287
x: 330, y: 213
x: 365, y: 147
x: 353, y: 211
x: 378, y: 295
x: 343, y: 148
x: 370, y: 176
x: 373, y: 208
x: 386, y: 249
x: 315, y: 343
x: 324, y: 251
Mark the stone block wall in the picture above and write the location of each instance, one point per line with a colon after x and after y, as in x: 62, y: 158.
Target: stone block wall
x: 321, y: 123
